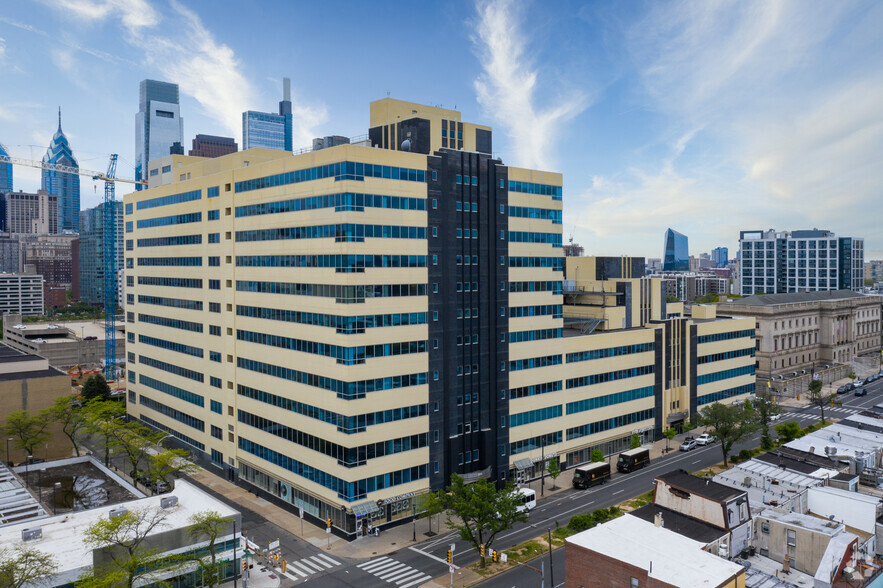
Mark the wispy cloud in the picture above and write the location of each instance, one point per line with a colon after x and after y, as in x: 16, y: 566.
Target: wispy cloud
x: 507, y: 88
x: 134, y: 14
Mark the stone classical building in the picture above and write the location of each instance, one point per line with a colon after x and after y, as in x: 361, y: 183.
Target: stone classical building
x: 804, y: 332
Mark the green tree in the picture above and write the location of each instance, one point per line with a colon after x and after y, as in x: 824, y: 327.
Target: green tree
x: 635, y: 441
x: 209, y: 526
x: 729, y: 423
x: 29, y: 430
x: 430, y: 505
x: 135, y: 441
x: 479, y: 511
x: 67, y: 412
x: 597, y: 455
x: 96, y: 388
x: 817, y: 397
x: 669, y: 434
x: 788, y: 431
x: 168, y: 464
x: 103, y: 418
x: 554, y: 470
x: 129, y: 559
x: 765, y: 409
x: 25, y: 566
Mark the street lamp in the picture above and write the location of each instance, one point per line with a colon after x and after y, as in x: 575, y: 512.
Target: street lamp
x: 55, y: 487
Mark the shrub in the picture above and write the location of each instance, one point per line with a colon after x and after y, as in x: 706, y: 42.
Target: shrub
x: 744, y: 455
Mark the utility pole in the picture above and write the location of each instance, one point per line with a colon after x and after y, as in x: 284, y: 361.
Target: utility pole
x: 543, y: 465
x: 551, y: 569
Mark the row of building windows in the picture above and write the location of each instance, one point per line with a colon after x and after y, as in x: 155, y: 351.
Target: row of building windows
x: 343, y: 294
x: 746, y: 352
x: 344, y: 423
x: 171, y: 368
x: 611, y: 423
x: 725, y: 375
x: 531, y: 188
x: 553, y: 239
x: 170, y: 322
x: 345, y: 201
x: 348, y: 457
x: 164, y: 221
x: 539, y: 213
x: 344, y: 170
x: 609, y: 352
x: 725, y: 336
x: 347, y: 390
x: 170, y: 345
x: 538, y: 310
x: 534, y: 443
x: 170, y: 302
x: 533, y: 416
x: 168, y: 241
x: 170, y: 282
x: 346, y: 263
x: 344, y: 355
x: 525, y: 391
x: 349, y: 491
x: 176, y: 434
x: 343, y: 324
x: 610, y: 399
x: 534, y: 362
x: 170, y: 261
x: 167, y: 200
x: 610, y: 376
x: 213, y: 192
x: 349, y: 232
x: 548, y: 286
x: 556, y: 263
x: 724, y: 394
x: 217, y: 407
x: 173, y: 413
x: 534, y: 335
x: 166, y: 388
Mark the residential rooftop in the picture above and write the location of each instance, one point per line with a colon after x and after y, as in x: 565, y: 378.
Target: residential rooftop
x: 793, y: 298
x: 689, y: 527
x: 700, y: 486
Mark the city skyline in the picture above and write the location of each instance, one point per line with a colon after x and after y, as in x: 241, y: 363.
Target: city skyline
x: 657, y: 114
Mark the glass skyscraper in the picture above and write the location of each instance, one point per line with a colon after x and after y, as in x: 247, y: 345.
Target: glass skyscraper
x: 65, y: 186
x: 267, y: 130
x: 720, y: 256
x: 5, y: 172
x: 676, y: 257
x: 158, y: 124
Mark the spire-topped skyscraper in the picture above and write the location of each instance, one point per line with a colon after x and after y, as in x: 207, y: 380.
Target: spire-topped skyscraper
x: 66, y: 186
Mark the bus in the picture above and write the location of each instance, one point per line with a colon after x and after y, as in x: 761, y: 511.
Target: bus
x: 528, y: 499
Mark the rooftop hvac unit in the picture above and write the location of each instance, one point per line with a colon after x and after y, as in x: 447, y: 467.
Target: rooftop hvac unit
x: 829, y: 451
x: 747, y: 481
x: 117, y: 512
x: 168, y: 502
x: 32, y: 534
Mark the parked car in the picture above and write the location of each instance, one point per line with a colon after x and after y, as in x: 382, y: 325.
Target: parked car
x: 874, y: 378
x: 860, y: 383
x: 846, y: 388
x: 688, y: 444
x: 861, y: 391
x: 705, y: 439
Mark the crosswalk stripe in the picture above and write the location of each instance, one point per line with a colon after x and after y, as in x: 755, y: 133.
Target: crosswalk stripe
x: 333, y: 562
x: 366, y: 565
x: 385, y: 566
x: 422, y: 580
x: 395, y: 570
x: 308, y: 565
x: 293, y: 568
x: 408, y: 574
x: 320, y: 562
x: 290, y: 577
x: 299, y: 566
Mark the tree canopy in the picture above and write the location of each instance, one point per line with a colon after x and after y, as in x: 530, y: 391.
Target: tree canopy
x: 28, y: 430
x: 818, y: 397
x: 25, y: 566
x: 729, y: 423
x: 96, y: 388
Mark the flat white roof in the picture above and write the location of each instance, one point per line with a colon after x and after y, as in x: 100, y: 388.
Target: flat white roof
x: 666, y: 555
x: 858, y: 496
x: 63, y: 534
x: 761, y: 490
x: 804, y: 521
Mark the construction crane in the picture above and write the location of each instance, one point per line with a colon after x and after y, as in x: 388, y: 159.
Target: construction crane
x: 110, y: 269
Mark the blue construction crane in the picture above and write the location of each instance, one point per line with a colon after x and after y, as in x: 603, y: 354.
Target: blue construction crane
x: 110, y: 269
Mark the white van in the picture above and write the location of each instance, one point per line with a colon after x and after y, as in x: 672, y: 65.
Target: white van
x: 528, y: 499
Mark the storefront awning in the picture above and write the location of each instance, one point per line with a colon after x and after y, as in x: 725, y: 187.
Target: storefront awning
x: 365, y: 508
x: 523, y: 464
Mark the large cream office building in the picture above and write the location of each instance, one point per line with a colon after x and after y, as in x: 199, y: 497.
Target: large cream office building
x: 344, y: 329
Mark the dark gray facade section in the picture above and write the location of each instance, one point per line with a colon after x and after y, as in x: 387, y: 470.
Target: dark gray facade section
x: 468, y: 402
x: 694, y: 343
x: 484, y: 141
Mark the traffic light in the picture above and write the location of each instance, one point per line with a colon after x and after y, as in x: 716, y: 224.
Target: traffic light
x: 329, y: 523
x: 482, y: 550
x: 450, y: 556
x: 494, y: 554
x: 244, y: 565
x: 284, y: 565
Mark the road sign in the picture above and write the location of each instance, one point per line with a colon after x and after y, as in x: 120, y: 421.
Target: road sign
x: 451, y: 568
x: 273, y: 545
x: 300, y: 511
x: 453, y: 545
x: 328, y: 530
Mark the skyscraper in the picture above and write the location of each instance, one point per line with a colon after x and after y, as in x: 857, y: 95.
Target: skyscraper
x: 158, y: 124
x: 676, y: 257
x: 5, y: 172
x: 267, y: 130
x: 213, y: 146
x: 91, y: 246
x: 65, y: 186
x: 720, y: 256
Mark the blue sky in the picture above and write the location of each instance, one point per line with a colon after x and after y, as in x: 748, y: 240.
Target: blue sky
x: 707, y: 117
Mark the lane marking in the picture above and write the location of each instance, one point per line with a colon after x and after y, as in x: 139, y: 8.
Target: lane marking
x: 422, y: 580
x: 325, y: 557
x: 617, y: 492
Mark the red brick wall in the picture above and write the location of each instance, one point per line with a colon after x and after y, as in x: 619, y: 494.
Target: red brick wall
x: 588, y: 569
